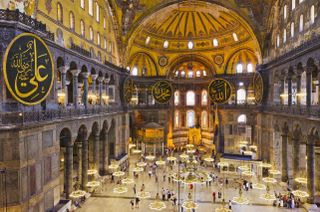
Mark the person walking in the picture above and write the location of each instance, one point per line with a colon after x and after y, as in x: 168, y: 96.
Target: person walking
x: 132, y: 204
x: 137, y: 202
x: 229, y: 204
x: 214, y: 197
x: 134, y: 189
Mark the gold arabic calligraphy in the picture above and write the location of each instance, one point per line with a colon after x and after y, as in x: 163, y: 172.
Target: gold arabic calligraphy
x: 162, y: 91
x: 219, y: 91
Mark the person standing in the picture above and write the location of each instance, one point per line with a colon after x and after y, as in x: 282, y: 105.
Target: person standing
x: 229, y: 204
x: 135, y: 189
x: 132, y: 204
x: 163, y: 194
x: 214, y: 197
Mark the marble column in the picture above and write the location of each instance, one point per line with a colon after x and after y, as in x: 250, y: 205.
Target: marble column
x: 86, y: 89
x: 75, y: 74
x: 310, y: 168
x: 69, y: 170
x: 105, y: 151
x: 299, y: 90
x: 289, y: 91
x: 94, y: 83
x: 80, y: 160
x: 284, y: 141
x: 96, y: 150
x: 296, y: 157
x: 100, y: 80
x: 63, y: 70
x: 309, y: 88
x: 84, y: 163
x: 106, y: 81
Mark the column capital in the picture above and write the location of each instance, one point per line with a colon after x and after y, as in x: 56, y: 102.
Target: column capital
x: 285, y: 130
x: 100, y: 79
x: 63, y: 69
x: 106, y: 80
x: 94, y: 77
x: 85, y: 75
x: 75, y: 72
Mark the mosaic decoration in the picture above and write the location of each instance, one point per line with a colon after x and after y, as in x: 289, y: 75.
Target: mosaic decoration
x: 129, y: 88
x: 163, y: 61
x: 257, y: 83
x: 162, y: 92
x: 28, y: 69
x: 219, y: 91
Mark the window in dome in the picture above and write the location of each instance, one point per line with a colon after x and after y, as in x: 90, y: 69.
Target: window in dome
x: 215, y: 42
x: 91, y: 7
x: 239, y: 68
x: 204, y: 98
x: 301, y: 23
x: 91, y: 33
x: 134, y: 71
x: 166, y: 44
x: 241, y: 96
x: 104, y: 23
x: 198, y: 73
x: 98, y: 38
x: 285, y: 11
x: 204, y: 73
x: 147, y: 40
x: 105, y: 44
x: 190, y: 118
x: 242, y: 119
x: 278, y: 40
x: 293, y: 4
x: 190, y: 45
x: 82, y: 28
x: 292, y: 29
x: 71, y: 17
x: 284, y: 35
x: 176, y: 98
x: 190, y: 74
x: 312, y: 16
x: 249, y: 68
x: 190, y: 98
x: 82, y: 4
x: 177, y: 73
x: 183, y: 73
x: 235, y: 37
x: 97, y: 12
x: 59, y: 13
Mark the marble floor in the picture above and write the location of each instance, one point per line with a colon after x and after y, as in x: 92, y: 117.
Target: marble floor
x: 108, y: 201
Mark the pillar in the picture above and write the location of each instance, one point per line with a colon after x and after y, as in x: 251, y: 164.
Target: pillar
x: 75, y: 74
x: 299, y: 90
x: 63, y: 71
x: 104, y: 151
x: 296, y: 158
x: 85, y: 162
x: 100, y: 80
x: 281, y: 91
x: 96, y: 151
x: 309, y: 88
x: 310, y: 168
x: 86, y: 89
x: 80, y: 159
x: 289, y: 91
x: 69, y: 170
x: 284, y: 141
x: 94, y: 84
x: 106, y: 81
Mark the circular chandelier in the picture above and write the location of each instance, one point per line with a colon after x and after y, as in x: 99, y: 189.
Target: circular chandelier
x: 127, y: 181
x: 137, y: 169
x: 118, y: 174
x: 171, y: 158
x: 160, y: 162
x: 157, y: 205
x: 274, y: 172
x: 269, y: 180
x: 92, y: 171
x: 136, y: 151
x: 150, y: 157
x: 265, y: 165
x: 268, y: 197
x: 301, y: 180
x: 300, y: 193
x: 189, y: 205
x: 143, y: 195
x: 259, y: 186
x: 120, y: 190
x: 141, y: 164
x: 113, y: 166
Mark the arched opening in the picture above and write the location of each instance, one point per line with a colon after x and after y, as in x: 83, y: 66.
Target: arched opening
x: 190, y: 98
x: 65, y: 163
x: 69, y: 83
x: 112, y: 141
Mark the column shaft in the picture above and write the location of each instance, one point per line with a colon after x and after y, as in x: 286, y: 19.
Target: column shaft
x: 80, y: 159
x: 289, y: 91
x: 299, y: 90
x: 296, y: 154
x: 75, y: 91
x: 96, y: 151
x: 69, y: 171
x: 284, y: 169
x: 310, y: 172
x: 84, y: 164
x: 309, y: 89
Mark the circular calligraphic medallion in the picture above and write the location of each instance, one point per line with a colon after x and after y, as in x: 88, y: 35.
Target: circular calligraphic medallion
x: 218, y: 59
x: 219, y: 91
x: 257, y: 83
x: 28, y: 69
x: 129, y: 88
x: 162, y: 92
x: 163, y: 61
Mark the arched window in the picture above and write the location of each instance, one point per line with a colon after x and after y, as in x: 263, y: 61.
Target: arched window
x: 204, y: 97
x: 190, y: 118
x: 82, y: 4
x: 91, y: 33
x: 235, y: 37
x: 176, y: 118
x: 284, y: 35
x: 183, y: 73
x: 105, y: 43
x: 98, y: 38
x: 176, y: 73
x: 190, y: 74
x: 249, y: 68
x: 190, y: 98
x: 104, y: 23
x: 204, y: 119
x: 71, y: 17
x: 97, y: 12
x: 242, y: 119
x: 215, y: 42
x: 198, y: 73
x: 176, y: 98
x: 134, y: 71
x: 312, y: 17
x: 292, y: 29
x: 190, y: 45
x: 303, y: 94
x: 165, y: 44
x: 82, y: 28
x: 293, y: 4
x: 285, y: 11
x: 301, y: 23
x: 241, y: 96
x: 90, y: 3
x: 59, y: 13
x: 239, y: 68
x: 278, y: 40
x: 204, y: 73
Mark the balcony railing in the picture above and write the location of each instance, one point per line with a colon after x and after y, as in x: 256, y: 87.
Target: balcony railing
x: 80, y: 50
x: 21, y: 118
x: 16, y: 15
x: 296, y: 110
